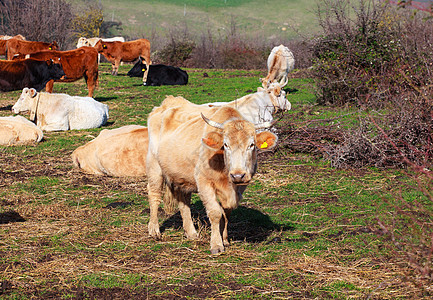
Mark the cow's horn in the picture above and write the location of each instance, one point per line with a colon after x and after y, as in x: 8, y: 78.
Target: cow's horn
x: 264, y: 125
x: 212, y: 123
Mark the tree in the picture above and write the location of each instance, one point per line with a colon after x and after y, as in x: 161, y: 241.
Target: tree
x: 37, y: 20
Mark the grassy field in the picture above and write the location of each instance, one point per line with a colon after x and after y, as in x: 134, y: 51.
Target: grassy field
x: 304, y: 229
x: 276, y: 18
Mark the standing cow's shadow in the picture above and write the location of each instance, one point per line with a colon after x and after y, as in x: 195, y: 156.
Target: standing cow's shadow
x: 6, y: 108
x: 245, y: 224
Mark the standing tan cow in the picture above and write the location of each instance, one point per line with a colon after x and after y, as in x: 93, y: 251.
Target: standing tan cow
x: 16, y: 46
x: 215, y: 157
x: 116, y: 52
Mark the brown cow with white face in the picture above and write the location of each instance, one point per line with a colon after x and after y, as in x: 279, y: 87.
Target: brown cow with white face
x: 216, y: 157
x: 16, y: 46
x: 116, y: 52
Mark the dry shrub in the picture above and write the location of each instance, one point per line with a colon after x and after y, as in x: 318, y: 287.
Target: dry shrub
x: 379, y: 58
x: 410, y: 229
x: 37, y: 20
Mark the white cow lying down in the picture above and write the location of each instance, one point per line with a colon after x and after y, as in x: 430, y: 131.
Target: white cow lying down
x: 259, y: 107
x: 54, y: 112
x: 115, y: 152
x: 17, y: 130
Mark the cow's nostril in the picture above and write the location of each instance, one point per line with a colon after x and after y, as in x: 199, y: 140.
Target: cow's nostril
x: 237, y: 177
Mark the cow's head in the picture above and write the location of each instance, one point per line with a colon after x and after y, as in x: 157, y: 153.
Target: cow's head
x: 239, y: 142
x: 277, y: 95
x: 53, y: 46
x: 81, y: 42
x: 26, y: 102
x: 100, y: 46
x: 55, y: 69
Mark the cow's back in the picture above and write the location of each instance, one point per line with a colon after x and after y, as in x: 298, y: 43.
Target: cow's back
x: 17, y: 130
x: 116, y: 152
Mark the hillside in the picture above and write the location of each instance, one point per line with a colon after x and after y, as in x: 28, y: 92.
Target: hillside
x: 277, y: 19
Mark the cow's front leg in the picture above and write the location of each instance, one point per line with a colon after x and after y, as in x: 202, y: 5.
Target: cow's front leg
x: 49, y: 86
x: 185, y: 211
x: 154, y: 187
x: 214, y: 213
x: 224, y: 224
x: 115, y: 67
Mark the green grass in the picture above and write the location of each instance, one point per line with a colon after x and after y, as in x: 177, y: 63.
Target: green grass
x: 303, y: 230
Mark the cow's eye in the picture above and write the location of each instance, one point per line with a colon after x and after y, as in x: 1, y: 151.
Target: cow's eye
x: 251, y: 146
x: 226, y: 146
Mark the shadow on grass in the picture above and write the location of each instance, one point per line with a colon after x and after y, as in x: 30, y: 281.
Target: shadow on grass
x: 103, y: 99
x: 10, y: 217
x: 290, y: 91
x: 6, y: 108
x: 245, y: 224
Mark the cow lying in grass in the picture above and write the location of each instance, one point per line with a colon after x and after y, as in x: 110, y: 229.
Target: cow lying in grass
x: 260, y: 106
x: 159, y: 74
x: 53, y: 112
x: 17, y: 130
x: 115, y: 152
x: 215, y: 157
x: 18, y: 74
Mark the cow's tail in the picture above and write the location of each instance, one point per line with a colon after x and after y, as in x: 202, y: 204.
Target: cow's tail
x: 171, y: 199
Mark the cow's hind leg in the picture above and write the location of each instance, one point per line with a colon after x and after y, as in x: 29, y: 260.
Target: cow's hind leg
x: 185, y: 211
x: 91, y: 81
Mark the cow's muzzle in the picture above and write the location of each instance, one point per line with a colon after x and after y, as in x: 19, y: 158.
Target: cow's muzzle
x: 239, y: 178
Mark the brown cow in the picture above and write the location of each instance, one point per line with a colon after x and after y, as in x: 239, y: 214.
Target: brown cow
x: 5, y: 38
x: 17, y: 46
x: 115, y: 52
x: 77, y: 63
x: 190, y: 153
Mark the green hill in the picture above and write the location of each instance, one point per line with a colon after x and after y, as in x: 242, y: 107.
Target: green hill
x: 275, y: 19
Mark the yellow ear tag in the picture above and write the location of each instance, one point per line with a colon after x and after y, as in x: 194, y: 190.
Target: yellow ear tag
x: 49, y: 48
x: 264, y: 145
x: 143, y: 70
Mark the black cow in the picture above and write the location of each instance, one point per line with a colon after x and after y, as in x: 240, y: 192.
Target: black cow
x: 160, y: 74
x: 31, y: 73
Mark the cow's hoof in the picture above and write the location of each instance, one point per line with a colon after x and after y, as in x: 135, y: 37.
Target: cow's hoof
x: 154, y: 231
x: 193, y: 236
x: 144, y: 83
x: 217, y: 250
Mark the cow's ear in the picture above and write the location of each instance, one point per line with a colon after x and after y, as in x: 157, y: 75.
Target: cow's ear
x: 266, y: 140
x: 33, y: 92
x: 213, y: 140
x: 260, y: 89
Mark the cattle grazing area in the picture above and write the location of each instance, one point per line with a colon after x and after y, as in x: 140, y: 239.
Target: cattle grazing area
x: 303, y: 229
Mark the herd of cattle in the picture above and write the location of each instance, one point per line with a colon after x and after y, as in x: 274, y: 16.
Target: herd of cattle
x: 222, y: 138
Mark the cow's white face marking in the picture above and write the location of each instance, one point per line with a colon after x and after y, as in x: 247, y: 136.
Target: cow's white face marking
x: 25, y: 101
